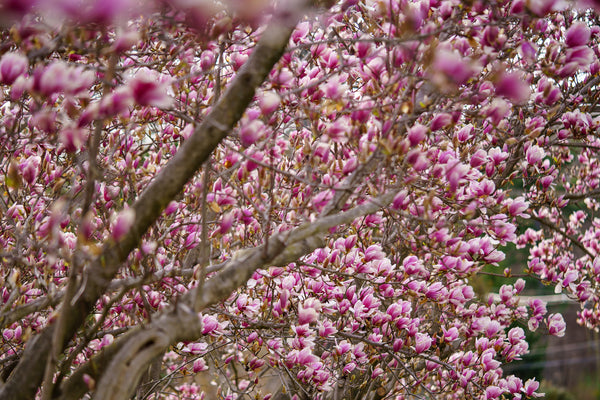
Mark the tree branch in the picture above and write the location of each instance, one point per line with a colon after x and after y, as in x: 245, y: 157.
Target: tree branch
x: 556, y: 228
x: 181, y: 322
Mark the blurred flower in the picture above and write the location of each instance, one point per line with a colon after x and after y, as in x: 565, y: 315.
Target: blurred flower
x: 148, y: 89
x: 514, y: 87
x: 577, y: 35
x: 251, y: 132
x: 268, y: 102
x: 12, y: 66
x: 416, y: 134
x: 123, y: 222
x: 453, y: 66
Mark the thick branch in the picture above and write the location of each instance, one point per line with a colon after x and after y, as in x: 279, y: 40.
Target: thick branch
x: 181, y: 323
x: 20, y: 312
x: 581, y: 196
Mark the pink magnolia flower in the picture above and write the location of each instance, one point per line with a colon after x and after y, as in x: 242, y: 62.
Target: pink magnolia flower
x: 125, y: 40
x: 478, y: 158
x: 256, y: 363
x: 455, y: 172
x: 251, y: 132
x: 581, y: 56
x: 20, y: 86
x: 556, y: 325
x: 568, y: 69
x: 306, y: 357
x: 465, y: 133
x: 343, y: 347
x: 418, y: 159
x: 338, y: 130
x: 101, y: 12
x: 518, y: 206
x: 13, y: 334
x: 493, y: 392
x: 456, y: 68
x: 335, y: 88
x: 416, y: 134
x: 492, y: 328
x: 517, y: 6
x: 72, y: 139
x: 497, y: 155
x: 528, y: 51
x: 422, y: 342
x: 199, y: 365
x: 300, y: 32
x: 209, y: 324
x: 195, y: 348
x: 60, y: 77
x: 117, y: 102
x: 497, y: 110
x: 226, y: 223
x: 401, y: 200
x: 513, y: 384
x: 577, y: 35
x: 516, y: 335
x: 451, y: 334
x: 320, y: 200
x: 349, y: 368
x: 150, y: 89
x: 530, y: 387
x: 440, y: 121
x: 487, y: 359
x: 541, y: 7
x: 123, y: 222
x: 269, y: 102
x: 514, y: 87
x: 307, y: 315
x: 30, y: 169
x: 534, y: 154
x: 377, y: 372
x: 12, y: 66
x: 326, y: 328
x: 519, y: 285
x: 350, y: 165
x: 466, y: 377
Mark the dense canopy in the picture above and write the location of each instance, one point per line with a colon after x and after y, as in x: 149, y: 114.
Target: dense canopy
x: 292, y: 199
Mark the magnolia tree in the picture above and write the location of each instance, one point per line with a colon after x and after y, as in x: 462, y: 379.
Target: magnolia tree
x: 254, y: 200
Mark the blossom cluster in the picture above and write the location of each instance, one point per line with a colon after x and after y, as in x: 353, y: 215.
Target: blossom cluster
x: 478, y: 118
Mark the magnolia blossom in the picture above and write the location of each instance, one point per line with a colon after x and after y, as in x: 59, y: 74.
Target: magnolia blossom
x: 578, y: 34
x: 251, y: 133
x: 416, y: 134
x: 269, y: 102
x: 122, y: 223
x: 60, y: 77
x: 457, y: 69
x: 367, y: 168
x: 534, y: 154
x: 422, y: 342
x: 514, y: 87
x: 556, y: 325
x: 493, y: 392
x: 149, y: 89
x: 12, y: 66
